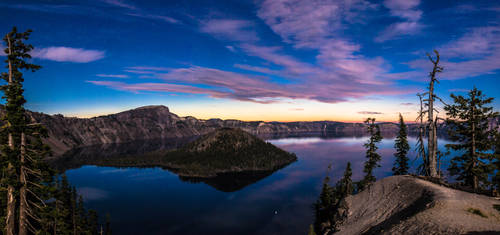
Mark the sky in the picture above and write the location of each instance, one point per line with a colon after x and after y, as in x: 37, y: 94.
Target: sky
x: 270, y: 60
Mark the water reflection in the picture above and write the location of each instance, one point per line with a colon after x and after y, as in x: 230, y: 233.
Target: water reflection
x: 156, y: 201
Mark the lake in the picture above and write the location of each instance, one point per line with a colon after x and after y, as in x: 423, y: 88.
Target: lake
x: 156, y: 201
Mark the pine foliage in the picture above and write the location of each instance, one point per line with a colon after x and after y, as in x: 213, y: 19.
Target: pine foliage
x: 468, y: 121
x: 402, y: 147
x: 32, y: 202
x: 331, y: 209
x: 373, y: 158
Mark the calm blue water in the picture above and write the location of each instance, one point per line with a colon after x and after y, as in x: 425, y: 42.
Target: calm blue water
x: 156, y: 201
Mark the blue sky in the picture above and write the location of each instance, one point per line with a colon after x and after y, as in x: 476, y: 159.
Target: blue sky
x: 282, y: 60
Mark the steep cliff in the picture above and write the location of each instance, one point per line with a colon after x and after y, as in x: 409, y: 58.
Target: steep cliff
x: 157, y: 122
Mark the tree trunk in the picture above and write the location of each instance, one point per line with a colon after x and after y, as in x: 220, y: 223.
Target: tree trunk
x: 432, y: 142
x: 11, y: 201
x: 473, y: 147
x: 23, y: 203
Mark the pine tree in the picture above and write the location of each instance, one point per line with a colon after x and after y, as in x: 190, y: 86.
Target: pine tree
x: 331, y: 209
x: 496, y: 162
x: 323, y: 206
x: 32, y: 201
x: 22, y: 147
x: 371, y: 153
x: 468, y: 121
x: 402, y: 147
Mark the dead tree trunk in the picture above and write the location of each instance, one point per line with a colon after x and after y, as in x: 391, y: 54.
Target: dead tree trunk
x: 475, y: 181
x: 432, y: 133
x: 23, y: 203
x: 11, y: 200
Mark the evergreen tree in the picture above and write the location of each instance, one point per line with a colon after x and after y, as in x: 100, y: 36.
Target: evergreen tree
x: 331, y: 209
x: 371, y: 153
x: 402, y: 147
x: 496, y: 162
x: 21, y: 146
x: 32, y: 201
x: 468, y: 121
x: 323, y: 206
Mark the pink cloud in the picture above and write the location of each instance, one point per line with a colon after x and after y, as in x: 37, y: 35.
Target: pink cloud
x: 68, y: 54
x: 481, y: 55
x: 112, y: 75
x: 236, y: 30
x: 260, y: 89
x: 119, y: 3
x: 167, y: 19
x: 148, y: 68
x: 307, y: 23
x: 406, y: 10
x: 399, y: 29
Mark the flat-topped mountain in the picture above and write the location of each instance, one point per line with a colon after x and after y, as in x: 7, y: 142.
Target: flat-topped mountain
x: 157, y: 122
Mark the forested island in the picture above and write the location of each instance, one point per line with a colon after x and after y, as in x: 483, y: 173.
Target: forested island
x: 225, y: 150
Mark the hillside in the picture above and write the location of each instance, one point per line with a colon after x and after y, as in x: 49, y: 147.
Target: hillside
x: 227, y: 150
x: 407, y: 205
x: 157, y: 122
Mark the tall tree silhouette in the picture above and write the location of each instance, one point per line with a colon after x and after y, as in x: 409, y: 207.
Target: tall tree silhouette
x: 32, y: 202
x: 373, y: 158
x: 402, y: 147
x: 468, y: 121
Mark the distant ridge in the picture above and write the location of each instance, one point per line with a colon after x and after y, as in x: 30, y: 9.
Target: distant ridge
x: 157, y: 122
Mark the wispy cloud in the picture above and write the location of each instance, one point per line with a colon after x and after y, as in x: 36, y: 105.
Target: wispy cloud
x: 68, y: 54
x: 369, y: 112
x: 230, y: 29
x: 112, y: 75
x: 149, y: 68
x: 167, y: 19
x: 218, y: 83
x: 407, y: 104
x: 119, y: 3
x: 405, y: 10
x: 134, y: 11
x: 476, y: 53
x: 458, y: 90
x: 231, y: 48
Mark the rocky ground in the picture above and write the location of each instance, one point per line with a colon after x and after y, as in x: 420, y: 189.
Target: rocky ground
x: 408, y: 205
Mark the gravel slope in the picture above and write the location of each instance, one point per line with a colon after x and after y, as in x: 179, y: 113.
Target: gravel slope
x: 407, y: 205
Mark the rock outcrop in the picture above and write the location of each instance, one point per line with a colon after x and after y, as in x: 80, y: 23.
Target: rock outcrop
x: 408, y: 205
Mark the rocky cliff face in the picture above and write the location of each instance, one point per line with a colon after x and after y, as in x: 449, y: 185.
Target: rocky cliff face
x: 157, y: 122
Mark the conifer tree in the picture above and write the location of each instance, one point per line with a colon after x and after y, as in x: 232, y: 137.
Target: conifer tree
x: 496, y: 162
x: 32, y: 202
x: 323, y: 207
x: 22, y: 148
x: 371, y: 153
x: 402, y: 147
x: 468, y: 121
x: 331, y: 209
